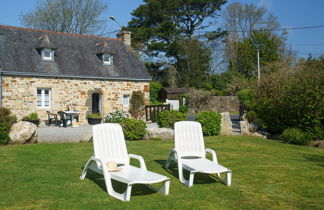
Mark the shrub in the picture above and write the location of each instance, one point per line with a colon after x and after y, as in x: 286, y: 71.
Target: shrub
x: 133, y: 129
x: 116, y: 117
x: 137, y: 104
x: 94, y: 116
x: 155, y: 87
x: 6, y: 121
x: 210, y: 122
x: 198, y: 99
x: 295, y: 136
x: 317, y: 133
x: 167, y: 118
x: 31, y: 116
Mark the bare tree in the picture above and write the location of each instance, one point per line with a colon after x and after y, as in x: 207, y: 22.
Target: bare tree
x: 70, y: 16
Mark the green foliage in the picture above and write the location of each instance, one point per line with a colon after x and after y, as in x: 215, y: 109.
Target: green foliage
x: 270, y: 46
x: 94, y: 116
x: 295, y: 136
x: 295, y: 99
x: 155, y: 87
x: 246, y: 97
x: 210, y: 122
x: 31, y: 116
x: 183, y: 103
x: 167, y: 118
x: 317, y: 133
x: 133, y: 129
x: 6, y: 121
x: 137, y: 104
x: 116, y: 117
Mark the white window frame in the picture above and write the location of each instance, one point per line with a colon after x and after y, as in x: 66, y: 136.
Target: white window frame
x: 128, y: 99
x: 46, y: 58
x: 43, y: 106
x: 108, y: 63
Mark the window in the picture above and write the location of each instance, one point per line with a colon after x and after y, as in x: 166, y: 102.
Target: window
x: 126, y: 100
x: 47, y: 54
x: 107, y: 59
x: 43, y: 98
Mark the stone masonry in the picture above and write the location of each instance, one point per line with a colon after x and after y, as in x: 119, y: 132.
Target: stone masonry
x: 20, y: 94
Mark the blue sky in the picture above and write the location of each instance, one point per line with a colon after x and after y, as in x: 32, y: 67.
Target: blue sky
x: 291, y: 13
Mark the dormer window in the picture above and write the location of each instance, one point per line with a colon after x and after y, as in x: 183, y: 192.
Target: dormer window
x: 107, y: 59
x: 47, y: 54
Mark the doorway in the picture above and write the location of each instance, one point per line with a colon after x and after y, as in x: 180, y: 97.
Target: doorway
x: 96, y: 103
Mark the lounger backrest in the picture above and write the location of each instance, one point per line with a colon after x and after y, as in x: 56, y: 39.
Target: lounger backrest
x: 109, y: 143
x: 189, y: 140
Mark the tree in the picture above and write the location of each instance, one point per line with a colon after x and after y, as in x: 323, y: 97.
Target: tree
x: 70, y: 16
x: 158, y: 26
x: 239, y: 22
x: 271, y: 48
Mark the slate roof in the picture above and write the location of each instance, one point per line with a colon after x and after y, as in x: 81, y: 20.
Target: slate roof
x: 76, y: 56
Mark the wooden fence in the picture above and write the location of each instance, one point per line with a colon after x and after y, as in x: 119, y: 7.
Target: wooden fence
x: 153, y: 111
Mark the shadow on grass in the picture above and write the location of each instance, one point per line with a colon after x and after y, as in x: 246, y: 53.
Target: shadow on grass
x: 319, y: 159
x: 138, y: 189
x: 200, y: 178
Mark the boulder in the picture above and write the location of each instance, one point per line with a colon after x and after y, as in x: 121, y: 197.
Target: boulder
x: 226, y: 124
x: 159, y: 133
x: 23, y: 132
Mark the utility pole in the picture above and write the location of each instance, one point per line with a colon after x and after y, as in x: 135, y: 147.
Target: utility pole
x: 258, y: 55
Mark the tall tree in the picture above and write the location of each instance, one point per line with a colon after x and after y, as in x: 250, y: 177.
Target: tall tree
x: 71, y: 16
x: 159, y: 27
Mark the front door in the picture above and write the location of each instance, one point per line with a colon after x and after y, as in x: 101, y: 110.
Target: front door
x: 96, y: 103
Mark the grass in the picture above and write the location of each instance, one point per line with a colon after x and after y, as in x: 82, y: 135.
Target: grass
x: 266, y: 174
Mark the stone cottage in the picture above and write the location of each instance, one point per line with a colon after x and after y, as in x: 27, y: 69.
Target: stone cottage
x: 53, y: 71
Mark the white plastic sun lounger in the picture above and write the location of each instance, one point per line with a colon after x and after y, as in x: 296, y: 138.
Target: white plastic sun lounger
x: 190, y: 153
x: 109, y: 145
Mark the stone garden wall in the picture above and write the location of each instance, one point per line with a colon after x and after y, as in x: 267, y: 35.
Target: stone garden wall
x: 223, y: 104
x: 20, y: 94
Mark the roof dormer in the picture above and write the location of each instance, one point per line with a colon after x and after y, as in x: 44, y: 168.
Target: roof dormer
x: 46, y: 48
x: 105, y: 53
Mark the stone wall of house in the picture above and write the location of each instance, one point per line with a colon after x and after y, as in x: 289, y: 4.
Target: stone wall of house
x: 20, y: 94
x: 223, y: 104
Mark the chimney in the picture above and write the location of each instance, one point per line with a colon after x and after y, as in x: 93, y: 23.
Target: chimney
x: 125, y: 36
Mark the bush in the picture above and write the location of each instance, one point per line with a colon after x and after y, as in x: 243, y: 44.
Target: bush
x: 155, y: 87
x: 133, y: 129
x: 167, y: 118
x: 137, y: 104
x: 94, y: 116
x: 6, y: 121
x: 116, y: 117
x: 295, y: 136
x: 317, y: 133
x: 31, y: 116
x: 210, y: 122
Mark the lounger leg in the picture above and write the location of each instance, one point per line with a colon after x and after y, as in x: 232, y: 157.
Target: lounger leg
x: 85, y: 169
x: 164, y: 189
x: 191, y: 179
x: 228, y: 178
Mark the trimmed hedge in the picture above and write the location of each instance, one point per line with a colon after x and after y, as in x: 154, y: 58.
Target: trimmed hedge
x: 133, y: 129
x: 210, y: 122
x: 6, y: 121
x: 167, y: 118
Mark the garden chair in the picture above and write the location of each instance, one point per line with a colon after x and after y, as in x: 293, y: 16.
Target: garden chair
x: 65, y: 119
x: 190, y: 153
x: 52, y: 118
x: 109, y: 145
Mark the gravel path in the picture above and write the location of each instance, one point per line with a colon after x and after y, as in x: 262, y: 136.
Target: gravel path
x: 53, y: 134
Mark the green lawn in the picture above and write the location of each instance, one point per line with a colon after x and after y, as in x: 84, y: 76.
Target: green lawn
x: 266, y: 174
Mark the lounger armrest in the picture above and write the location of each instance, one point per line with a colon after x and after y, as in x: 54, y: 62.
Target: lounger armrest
x: 140, y: 159
x: 213, y: 153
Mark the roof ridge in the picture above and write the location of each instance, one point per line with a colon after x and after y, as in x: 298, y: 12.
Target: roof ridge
x: 58, y: 32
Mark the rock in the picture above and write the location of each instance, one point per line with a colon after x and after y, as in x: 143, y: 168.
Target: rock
x: 257, y: 134
x: 86, y: 136
x: 244, y: 125
x: 253, y: 127
x: 226, y: 124
x: 319, y: 144
x: 23, y: 132
x: 159, y: 133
